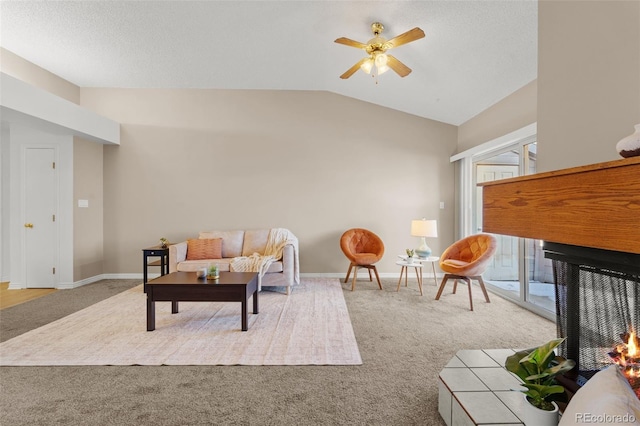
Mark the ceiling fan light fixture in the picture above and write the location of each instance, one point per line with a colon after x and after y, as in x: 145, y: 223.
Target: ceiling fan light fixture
x: 376, y: 49
x: 367, y: 66
x: 382, y: 69
x: 381, y: 60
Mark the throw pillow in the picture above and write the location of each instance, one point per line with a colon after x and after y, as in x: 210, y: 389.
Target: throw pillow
x: 606, y: 398
x: 201, y: 249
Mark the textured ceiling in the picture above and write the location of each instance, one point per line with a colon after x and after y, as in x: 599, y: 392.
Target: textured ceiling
x: 474, y: 53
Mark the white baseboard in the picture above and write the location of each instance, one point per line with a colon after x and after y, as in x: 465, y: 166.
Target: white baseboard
x: 426, y: 275
x: 66, y: 286
x: 138, y: 276
x: 128, y: 276
x: 90, y: 280
x: 96, y: 278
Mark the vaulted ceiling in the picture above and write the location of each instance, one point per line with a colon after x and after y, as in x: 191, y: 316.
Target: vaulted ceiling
x: 474, y: 52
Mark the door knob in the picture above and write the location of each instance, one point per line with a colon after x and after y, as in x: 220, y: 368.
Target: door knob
x: 28, y: 225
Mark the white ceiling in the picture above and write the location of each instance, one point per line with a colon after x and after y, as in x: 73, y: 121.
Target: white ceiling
x: 474, y: 53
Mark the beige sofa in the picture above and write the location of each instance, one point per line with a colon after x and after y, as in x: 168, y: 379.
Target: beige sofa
x: 283, y: 272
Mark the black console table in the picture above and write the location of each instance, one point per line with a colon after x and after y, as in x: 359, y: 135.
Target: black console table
x: 162, y: 262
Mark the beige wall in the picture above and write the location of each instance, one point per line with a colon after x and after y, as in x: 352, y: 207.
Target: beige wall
x: 17, y: 67
x: 512, y: 113
x: 588, y: 80
x: 88, y: 229
x: 314, y: 162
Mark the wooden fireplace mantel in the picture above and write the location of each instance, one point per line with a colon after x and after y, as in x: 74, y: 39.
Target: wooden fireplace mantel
x: 590, y: 206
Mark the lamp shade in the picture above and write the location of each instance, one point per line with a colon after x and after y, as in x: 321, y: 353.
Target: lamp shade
x: 424, y: 228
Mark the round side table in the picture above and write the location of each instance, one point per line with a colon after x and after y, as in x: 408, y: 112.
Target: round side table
x: 431, y: 259
x: 405, y: 271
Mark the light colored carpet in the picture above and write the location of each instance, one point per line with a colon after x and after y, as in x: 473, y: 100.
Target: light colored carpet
x: 310, y: 327
x: 404, y: 339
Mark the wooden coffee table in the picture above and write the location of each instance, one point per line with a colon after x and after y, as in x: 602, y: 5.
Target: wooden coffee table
x: 186, y: 287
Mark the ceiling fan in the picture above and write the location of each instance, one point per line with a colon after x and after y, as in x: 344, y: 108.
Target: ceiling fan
x: 377, y: 47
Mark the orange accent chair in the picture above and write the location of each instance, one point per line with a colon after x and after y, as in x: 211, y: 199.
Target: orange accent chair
x: 363, y: 248
x: 466, y: 260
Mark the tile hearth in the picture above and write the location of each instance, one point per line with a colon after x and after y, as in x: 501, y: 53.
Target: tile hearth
x: 475, y: 389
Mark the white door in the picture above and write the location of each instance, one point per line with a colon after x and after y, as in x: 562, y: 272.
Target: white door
x: 40, y: 218
x: 504, y: 265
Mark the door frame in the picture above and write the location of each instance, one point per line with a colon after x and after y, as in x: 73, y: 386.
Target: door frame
x: 21, y: 137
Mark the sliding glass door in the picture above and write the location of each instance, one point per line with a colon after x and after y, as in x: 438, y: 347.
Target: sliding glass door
x: 519, y: 270
x: 503, y: 273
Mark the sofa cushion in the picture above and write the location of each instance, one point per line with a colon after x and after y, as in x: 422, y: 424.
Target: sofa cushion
x: 223, y: 265
x: 607, y: 395
x: 255, y: 241
x: 198, y: 249
x: 231, y: 241
x: 194, y: 265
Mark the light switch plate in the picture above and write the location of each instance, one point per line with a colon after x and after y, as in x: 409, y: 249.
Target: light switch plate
x: 83, y: 203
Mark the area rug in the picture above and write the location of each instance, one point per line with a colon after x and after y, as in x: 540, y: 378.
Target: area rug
x: 309, y: 327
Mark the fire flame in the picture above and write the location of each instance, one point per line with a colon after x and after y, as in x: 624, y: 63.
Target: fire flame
x: 627, y: 356
x: 632, y: 349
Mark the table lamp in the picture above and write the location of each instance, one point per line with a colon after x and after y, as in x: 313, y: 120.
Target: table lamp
x: 424, y: 228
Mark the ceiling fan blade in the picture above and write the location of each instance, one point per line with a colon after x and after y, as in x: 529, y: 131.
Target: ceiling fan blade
x: 348, y: 73
x: 349, y: 42
x: 404, y: 38
x: 401, y: 69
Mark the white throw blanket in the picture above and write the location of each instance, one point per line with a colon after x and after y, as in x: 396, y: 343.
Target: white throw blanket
x: 277, y: 239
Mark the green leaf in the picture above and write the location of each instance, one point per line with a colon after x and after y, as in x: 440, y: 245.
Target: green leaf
x: 537, y: 376
x: 512, y: 364
x: 542, y: 355
x: 550, y: 390
x: 561, y: 366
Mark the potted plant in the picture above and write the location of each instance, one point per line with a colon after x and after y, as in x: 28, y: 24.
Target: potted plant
x: 410, y: 253
x: 538, y: 368
x: 164, y: 242
x: 212, y: 272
